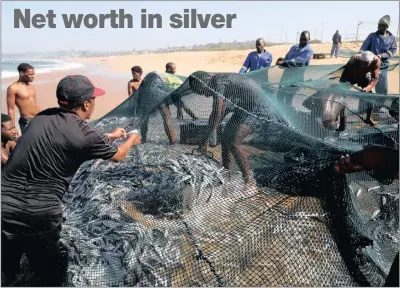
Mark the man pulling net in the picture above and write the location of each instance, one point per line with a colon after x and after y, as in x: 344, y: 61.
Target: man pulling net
x: 250, y: 104
x: 154, y: 95
x: 362, y: 70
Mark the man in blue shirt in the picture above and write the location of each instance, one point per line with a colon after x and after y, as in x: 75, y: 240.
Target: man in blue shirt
x: 298, y: 56
x: 383, y: 44
x: 257, y: 59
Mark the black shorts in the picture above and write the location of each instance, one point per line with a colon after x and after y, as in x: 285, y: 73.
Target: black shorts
x: 23, y: 123
x: 47, y: 257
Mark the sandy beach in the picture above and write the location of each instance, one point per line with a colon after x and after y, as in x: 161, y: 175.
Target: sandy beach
x: 112, y: 73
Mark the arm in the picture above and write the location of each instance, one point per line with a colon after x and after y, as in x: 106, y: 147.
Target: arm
x: 391, y: 51
x: 186, y: 109
x: 116, y: 134
x: 166, y: 116
x: 214, y: 119
x: 246, y: 65
x: 300, y: 60
x: 11, y: 94
x: 373, y: 157
x: 124, y: 148
x: 374, y: 75
x: 130, y: 89
x: 4, y: 158
x: 98, y: 146
x: 281, y: 61
x: 340, y: 39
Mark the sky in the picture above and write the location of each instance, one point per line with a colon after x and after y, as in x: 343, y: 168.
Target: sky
x: 274, y: 21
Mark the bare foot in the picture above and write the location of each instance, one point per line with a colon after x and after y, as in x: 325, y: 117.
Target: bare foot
x: 370, y: 122
x: 250, y: 189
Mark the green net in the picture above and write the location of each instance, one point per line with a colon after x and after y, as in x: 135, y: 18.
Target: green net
x: 172, y: 216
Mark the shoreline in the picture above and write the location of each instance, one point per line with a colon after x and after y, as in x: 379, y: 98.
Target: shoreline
x: 113, y: 73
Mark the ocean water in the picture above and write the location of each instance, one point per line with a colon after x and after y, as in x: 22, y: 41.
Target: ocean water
x: 9, y: 67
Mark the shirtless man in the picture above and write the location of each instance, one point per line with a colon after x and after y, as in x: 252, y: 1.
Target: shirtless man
x: 133, y: 85
x: 8, y: 135
x: 23, y: 94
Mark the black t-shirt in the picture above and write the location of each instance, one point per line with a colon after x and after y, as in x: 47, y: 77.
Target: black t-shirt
x: 42, y: 166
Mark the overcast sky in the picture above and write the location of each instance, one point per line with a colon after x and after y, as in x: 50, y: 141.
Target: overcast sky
x: 275, y: 21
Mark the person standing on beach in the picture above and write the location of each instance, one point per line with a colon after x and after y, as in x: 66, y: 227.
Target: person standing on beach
x: 336, y: 41
x: 23, y: 95
x: 298, y: 56
x: 257, y: 59
x: 38, y: 174
x: 133, y: 85
x: 383, y: 44
x: 8, y: 135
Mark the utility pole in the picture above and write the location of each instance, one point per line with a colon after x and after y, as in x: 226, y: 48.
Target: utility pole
x: 358, y: 27
x: 322, y: 32
x: 282, y: 33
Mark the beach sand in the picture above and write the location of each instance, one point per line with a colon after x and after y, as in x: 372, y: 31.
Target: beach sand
x: 113, y: 73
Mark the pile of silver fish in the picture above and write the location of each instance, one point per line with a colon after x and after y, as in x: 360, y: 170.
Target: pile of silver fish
x: 106, y: 246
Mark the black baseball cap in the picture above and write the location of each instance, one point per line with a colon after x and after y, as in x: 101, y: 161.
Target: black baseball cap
x: 76, y: 89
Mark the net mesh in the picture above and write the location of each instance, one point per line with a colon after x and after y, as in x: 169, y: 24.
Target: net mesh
x: 172, y: 216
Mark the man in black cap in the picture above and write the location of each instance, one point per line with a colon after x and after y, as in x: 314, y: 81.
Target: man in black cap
x: 47, y: 156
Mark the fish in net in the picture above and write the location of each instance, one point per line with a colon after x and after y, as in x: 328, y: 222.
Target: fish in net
x: 170, y: 217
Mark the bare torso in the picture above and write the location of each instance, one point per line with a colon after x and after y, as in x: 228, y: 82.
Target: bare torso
x: 133, y: 85
x: 25, y: 99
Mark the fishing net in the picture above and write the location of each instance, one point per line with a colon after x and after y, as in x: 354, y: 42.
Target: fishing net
x: 172, y: 215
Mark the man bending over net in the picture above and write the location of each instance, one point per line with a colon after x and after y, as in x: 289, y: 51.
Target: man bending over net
x: 363, y: 70
x: 154, y: 95
x: 249, y: 104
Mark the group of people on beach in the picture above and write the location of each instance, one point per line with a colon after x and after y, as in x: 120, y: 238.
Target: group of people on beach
x: 39, y: 165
